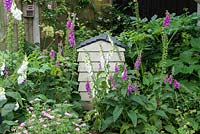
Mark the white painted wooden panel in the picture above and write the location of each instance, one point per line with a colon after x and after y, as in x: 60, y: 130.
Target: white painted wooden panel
x: 83, y: 67
x: 85, y: 96
x: 84, y: 76
x: 95, y: 56
x: 81, y: 87
x: 95, y: 47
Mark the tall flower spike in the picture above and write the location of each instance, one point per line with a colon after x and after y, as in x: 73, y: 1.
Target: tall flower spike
x: 116, y: 68
x: 135, y: 87
x: 129, y: 89
x: 87, y: 87
x: 52, y: 54
x: 170, y: 79
x: 124, y: 74
x: 166, y: 21
x: 7, y: 5
x: 69, y: 25
x: 176, y: 84
x: 138, y: 62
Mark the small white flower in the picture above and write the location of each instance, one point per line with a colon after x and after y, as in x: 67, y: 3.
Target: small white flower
x: 3, y: 67
x: 16, y: 106
x: 23, y: 67
x: 17, y: 14
x: 21, y: 79
x: 102, y: 62
x: 2, y: 94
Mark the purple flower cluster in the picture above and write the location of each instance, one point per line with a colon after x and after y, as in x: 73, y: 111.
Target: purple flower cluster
x: 124, y: 74
x: 70, y: 27
x: 170, y: 81
x: 138, y: 62
x: 52, y: 54
x: 131, y: 88
x: 87, y: 87
x: 166, y: 21
x: 116, y: 69
x: 7, y: 5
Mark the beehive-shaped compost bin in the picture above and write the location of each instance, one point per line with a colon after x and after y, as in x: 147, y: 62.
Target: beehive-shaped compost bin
x: 93, y: 47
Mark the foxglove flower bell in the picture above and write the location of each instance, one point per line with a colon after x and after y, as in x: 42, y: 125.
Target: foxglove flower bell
x: 7, y: 5
x: 2, y: 94
x: 52, y: 54
x: 17, y: 14
x: 87, y: 87
x: 116, y: 69
x: 22, y: 71
x: 124, y: 74
x: 176, y: 84
x: 138, y: 62
x: 166, y: 21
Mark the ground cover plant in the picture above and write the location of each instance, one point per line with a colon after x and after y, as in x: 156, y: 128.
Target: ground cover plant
x: 156, y: 91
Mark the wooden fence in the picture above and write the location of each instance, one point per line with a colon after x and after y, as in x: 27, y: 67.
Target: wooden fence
x: 148, y: 8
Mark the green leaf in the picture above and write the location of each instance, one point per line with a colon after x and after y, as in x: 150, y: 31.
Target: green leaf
x: 138, y: 99
x: 133, y: 116
x: 32, y: 70
x: 171, y: 111
x: 10, y: 123
x: 143, y: 117
x: 2, y: 102
x: 7, y: 108
x: 186, y: 56
x: 44, y: 68
x: 117, y: 112
x: 171, y: 129
x: 161, y: 113
x: 123, y: 92
x: 16, y: 96
x: 124, y: 127
x: 195, y: 43
x: 106, y: 123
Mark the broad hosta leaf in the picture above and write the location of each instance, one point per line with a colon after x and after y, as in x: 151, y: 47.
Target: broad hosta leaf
x: 7, y: 108
x: 10, y: 123
x: 161, y: 113
x: 117, y: 112
x: 133, y: 116
x: 106, y: 123
x: 171, y: 129
x: 16, y: 96
x: 2, y: 102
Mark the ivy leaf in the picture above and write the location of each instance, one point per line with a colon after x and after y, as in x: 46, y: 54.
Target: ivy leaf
x: 133, y: 116
x: 117, y: 112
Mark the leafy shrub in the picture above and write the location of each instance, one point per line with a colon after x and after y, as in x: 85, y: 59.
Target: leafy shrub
x: 43, y: 118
